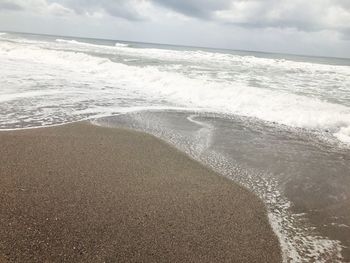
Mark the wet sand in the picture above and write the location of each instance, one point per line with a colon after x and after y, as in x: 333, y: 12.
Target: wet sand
x: 82, y: 193
x: 303, y: 179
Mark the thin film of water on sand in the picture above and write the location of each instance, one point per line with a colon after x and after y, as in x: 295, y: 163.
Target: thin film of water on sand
x: 202, y: 138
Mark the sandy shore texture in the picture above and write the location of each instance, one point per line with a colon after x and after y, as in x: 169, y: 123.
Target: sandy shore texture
x: 83, y: 193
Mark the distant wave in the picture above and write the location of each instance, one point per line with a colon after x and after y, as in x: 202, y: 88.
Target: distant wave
x: 68, y: 41
x: 75, y: 42
x: 130, y: 60
x: 2, y: 34
x: 121, y: 45
x: 83, y: 44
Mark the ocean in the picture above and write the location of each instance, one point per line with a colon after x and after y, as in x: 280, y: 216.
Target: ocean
x: 277, y: 124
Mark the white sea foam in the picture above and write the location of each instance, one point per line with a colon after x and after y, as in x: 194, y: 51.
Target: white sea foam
x: 205, y: 56
x: 28, y: 94
x: 75, y: 42
x: 121, y: 45
x: 85, y: 44
x: 67, y: 41
x: 209, y: 57
x: 343, y: 134
x: 101, y: 80
x: 325, y: 82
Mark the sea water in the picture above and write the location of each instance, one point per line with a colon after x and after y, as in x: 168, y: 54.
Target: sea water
x: 277, y: 124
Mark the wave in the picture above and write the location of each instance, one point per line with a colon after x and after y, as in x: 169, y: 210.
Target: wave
x: 108, y: 80
x: 121, y: 45
x: 343, y: 134
x: 68, y: 41
x: 215, y: 58
x: 228, y: 59
x: 75, y: 42
x: 28, y: 94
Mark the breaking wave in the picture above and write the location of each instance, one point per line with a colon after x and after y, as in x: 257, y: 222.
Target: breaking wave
x: 107, y: 80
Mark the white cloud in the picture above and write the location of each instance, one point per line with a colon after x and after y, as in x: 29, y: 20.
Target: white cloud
x: 311, y: 15
x: 60, y: 10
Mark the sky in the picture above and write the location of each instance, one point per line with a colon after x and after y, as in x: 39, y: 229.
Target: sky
x: 310, y: 27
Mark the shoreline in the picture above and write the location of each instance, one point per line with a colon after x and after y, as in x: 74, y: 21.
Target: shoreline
x: 87, y: 193
x: 241, y: 151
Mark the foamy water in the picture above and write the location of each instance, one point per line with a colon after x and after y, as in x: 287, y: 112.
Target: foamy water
x: 221, y: 144
x: 69, y: 79
x: 48, y: 80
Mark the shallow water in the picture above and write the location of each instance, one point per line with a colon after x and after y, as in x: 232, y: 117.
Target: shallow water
x: 303, y: 180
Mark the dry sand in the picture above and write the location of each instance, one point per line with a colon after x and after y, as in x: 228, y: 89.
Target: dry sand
x: 82, y: 193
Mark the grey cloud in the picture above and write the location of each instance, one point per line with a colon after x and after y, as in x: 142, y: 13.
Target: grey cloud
x: 35, y: 7
x: 311, y: 15
x: 119, y: 8
x: 196, y: 8
x: 7, y: 5
x: 126, y: 9
x: 272, y: 14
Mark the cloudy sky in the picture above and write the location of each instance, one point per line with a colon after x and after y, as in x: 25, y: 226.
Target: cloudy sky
x: 313, y: 27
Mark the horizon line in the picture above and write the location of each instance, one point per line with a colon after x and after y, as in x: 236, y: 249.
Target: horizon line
x: 179, y: 45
